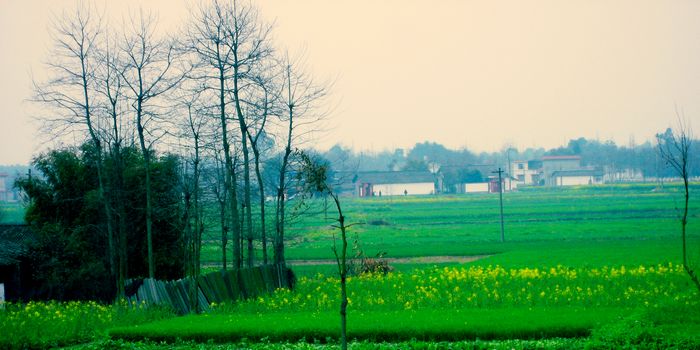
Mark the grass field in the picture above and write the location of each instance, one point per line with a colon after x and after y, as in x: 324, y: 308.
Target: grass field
x: 582, y: 267
x: 580, y: 226
x: 11, y: 213
x: 598, y: 262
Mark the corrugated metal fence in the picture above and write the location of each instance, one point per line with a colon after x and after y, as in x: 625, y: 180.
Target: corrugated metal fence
x: 215, y: 287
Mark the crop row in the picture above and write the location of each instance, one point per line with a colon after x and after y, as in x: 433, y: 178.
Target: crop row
x: 487, y: 287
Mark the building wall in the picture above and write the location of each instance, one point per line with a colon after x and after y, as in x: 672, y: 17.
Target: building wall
x: 398, y: 189
x: 520, y: 171
x: 476, y: 187
x: 550, y: 166
x: 574, y: 180
x: 4, y: 194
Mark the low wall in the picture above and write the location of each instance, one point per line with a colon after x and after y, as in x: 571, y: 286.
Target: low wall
x: 214, y: 287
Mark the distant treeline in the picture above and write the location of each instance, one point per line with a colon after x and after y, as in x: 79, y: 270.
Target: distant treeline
x: 642, y: 159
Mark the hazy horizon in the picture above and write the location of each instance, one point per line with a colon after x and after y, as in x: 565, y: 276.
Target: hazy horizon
x: 464, y: 74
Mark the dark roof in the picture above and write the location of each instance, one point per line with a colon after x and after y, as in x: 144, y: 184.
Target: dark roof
x: 394, y: 177
x: 578, y: 172
x: 561, y: 158
x: 13, y: 242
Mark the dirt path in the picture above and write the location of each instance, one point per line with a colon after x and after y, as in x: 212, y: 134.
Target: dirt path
x: 410, y: 260
x: 413, y: 260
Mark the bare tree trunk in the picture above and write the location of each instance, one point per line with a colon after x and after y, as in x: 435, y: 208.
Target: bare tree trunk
x: 684, y: 223
x: 224, y: 234
x: 261, y: 190
x: 118, y: 193
x: 256, y: 158
x: 675, y: 150
x: 343, y: 272
x: 100, y: 173
x: 281, y: 189
x: 246, y: 164
x: 150, y: 70
x: 73, y: 67
x: 221, y: 199
x: 121, y: 213
x: 230, y: 179
x: 149, y: 205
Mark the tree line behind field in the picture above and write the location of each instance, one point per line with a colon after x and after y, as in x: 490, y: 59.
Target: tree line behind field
x: 643, y: 159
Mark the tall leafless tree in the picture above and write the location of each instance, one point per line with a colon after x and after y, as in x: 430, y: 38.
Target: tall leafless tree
x: 73, y: 67
x: 249, y: 44
x: 220, y: 192
x: 314, y: 175
x: 110, y: 87
x: 263, y: 108
x: 150, y: 70
x: 194, y: 125
x: 207, y: 38
x: 675, y: 150
x: 301, y: 99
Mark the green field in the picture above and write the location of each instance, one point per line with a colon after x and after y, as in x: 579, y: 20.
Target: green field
x: 11, y: 213
x: 623, y: 240
x: 582, y: 267
x: 580, y: 226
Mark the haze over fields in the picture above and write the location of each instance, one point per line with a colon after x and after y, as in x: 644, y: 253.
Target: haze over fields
x: 461, y: 73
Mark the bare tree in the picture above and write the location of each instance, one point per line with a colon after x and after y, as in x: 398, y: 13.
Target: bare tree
x: 73, y: 67
x: 221, y: 198
x: 313, y: 174
x: 263, y: 109
x: 249, y: 44
x: 300, y: 99
x: 675, y: 148
x: 110, y: 87
x: 150, y: 70
x: 206, y: 38
x: 194, y: 225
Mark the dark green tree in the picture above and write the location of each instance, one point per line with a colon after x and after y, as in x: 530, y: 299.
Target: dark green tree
x: 69, y: 257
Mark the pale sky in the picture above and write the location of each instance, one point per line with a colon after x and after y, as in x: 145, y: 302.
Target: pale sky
x: 476, y: 74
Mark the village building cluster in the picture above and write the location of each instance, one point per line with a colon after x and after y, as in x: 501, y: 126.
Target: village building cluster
x: 7, y: 192
x: 547, y: 171
x: 4, y: 193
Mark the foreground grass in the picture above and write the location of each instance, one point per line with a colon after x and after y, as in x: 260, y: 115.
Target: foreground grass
x: 377, y: 326
x: 440, y: 304
x: 38, y: 325
x: 515, y: 344
x: 585, y: 234
x: 670, y: 326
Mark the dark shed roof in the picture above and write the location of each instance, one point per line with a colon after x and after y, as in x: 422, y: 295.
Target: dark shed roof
x: 13, y: 242
x: 578, y: 172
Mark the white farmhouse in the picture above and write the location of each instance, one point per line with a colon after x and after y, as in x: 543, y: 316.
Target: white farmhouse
x: 394, y: 183
x: 521, y: 171
x: 476, y: 187
x: 577, y: 177
x: 4, y: 193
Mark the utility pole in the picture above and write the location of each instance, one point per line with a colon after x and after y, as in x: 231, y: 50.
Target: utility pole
x: 510, y: 167
x: 500, y: 194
